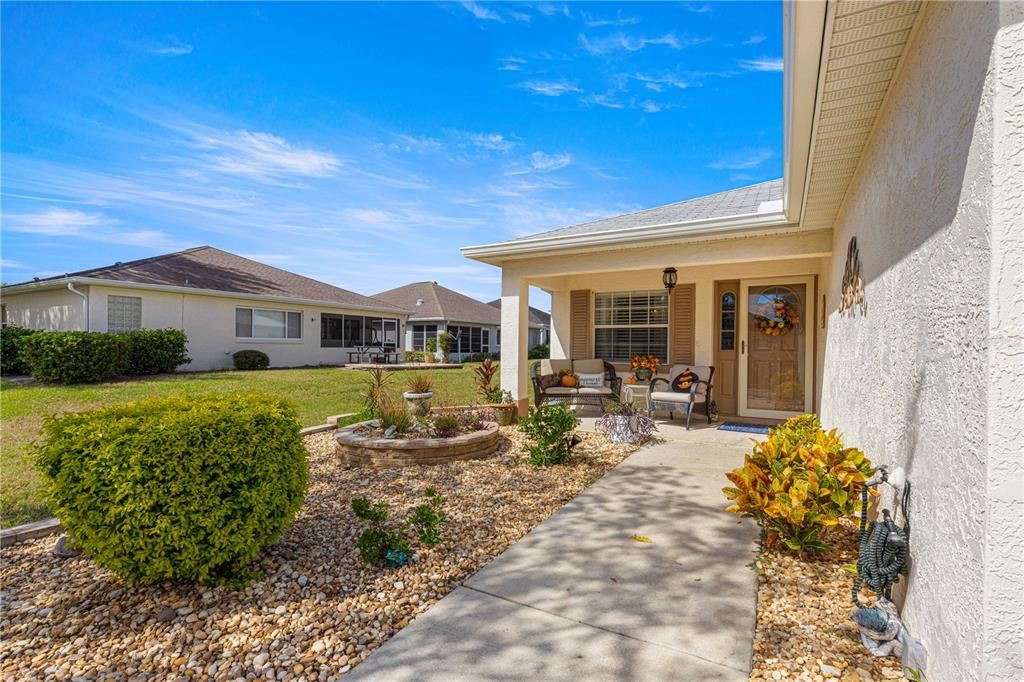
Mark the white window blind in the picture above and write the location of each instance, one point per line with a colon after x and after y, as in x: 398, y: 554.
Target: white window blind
x: 630, y: 323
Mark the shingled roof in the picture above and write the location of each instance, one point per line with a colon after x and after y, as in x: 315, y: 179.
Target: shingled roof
x: 537, y: 316
x: 206, y: 267
x: 431, y: 301
x: 733, y: 202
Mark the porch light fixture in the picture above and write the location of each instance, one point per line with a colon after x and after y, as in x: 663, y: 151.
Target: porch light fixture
x: 668, y: 278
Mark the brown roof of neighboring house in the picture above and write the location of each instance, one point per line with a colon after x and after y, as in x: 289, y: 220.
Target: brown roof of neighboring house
x: 431, y: 301
x: 537, y: 316
x: 206, y: 267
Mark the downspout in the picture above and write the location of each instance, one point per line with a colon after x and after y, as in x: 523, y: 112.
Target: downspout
x: 85, y: 303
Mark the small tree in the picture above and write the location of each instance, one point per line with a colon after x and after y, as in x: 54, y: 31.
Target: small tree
x: 447, y: 342
x: 431, y: 353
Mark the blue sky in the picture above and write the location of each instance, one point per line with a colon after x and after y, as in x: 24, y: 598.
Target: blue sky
x: 363, y: 143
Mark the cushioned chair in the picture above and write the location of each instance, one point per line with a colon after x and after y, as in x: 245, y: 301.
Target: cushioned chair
x: 660, y: 395
x: 598, y: 396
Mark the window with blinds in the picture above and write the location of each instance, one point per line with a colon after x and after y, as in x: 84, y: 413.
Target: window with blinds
x: 630, y: 323
x: 124, y: 313
x: 258, y: 323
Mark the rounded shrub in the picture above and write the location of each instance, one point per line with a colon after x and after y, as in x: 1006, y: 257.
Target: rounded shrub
x: 155, y: 351
x: 176, y: 488
x: 251, y: 359
x: 75, y: 357
x: 11, y: 360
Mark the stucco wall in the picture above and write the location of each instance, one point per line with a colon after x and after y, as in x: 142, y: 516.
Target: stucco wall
x: 908, y: 376
x: 54, y: 310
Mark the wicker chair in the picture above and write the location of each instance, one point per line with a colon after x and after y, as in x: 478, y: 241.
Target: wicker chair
x: 674, y: 401
x: 583, y: 395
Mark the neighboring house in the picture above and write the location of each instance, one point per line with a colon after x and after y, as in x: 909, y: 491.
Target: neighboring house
x: 224, y: 303
x: 436, y: 309
x: 539, y: 323
x: 897, y: 236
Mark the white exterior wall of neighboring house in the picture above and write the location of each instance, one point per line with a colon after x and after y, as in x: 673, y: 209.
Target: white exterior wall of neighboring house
x: 207, y: 320
x: 928, y: 375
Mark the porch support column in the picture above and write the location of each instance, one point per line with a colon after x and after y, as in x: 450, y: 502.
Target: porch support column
x: 560, y: 324
x: 515, y: 305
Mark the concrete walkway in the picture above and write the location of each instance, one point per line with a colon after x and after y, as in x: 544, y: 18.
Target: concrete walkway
x: 577, y: 599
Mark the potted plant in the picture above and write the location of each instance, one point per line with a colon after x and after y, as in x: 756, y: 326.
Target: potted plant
x: 622, y: 423
x: 417, y: 398
x: 446, y: 342
x: 644, y: 366
x: 502, y: 401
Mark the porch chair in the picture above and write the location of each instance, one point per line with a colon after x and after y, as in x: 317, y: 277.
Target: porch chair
x: 674, y: 401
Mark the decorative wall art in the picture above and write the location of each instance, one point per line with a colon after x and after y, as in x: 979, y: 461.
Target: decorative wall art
x: 853, y: 286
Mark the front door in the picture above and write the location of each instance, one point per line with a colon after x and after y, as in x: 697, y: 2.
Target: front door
x: 726, y: 345
x: 776, y: 347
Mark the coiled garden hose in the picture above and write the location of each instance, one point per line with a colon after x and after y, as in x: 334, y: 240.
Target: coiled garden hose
x: 884, y: 545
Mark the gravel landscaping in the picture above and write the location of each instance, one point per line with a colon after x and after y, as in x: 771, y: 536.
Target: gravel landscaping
x: 318, y: 611
x: 804, y: 631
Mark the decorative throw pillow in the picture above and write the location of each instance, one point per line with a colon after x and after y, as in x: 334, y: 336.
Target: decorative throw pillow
x: 684, y: 381
x: 549, y: 381
x: 591, y: 380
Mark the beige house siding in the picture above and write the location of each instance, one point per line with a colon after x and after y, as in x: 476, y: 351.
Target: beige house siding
x: 208, y: 321
x: 935, y: 333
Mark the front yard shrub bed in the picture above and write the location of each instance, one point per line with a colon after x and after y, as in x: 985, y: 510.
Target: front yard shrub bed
x: 11, y: 360
x: 804, y: 632
x: 318, y: 610
x: 75, y: 357
x: 176, y: 488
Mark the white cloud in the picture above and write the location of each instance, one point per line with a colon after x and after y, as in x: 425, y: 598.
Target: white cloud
x: 619, y: 20
x: 171, y: 48
x: 263, y: 155
x: 546, y: 163
x: 550, y: 88
x: 629, y: 43
x: 511, y: 64
x: 62, y: 222
x: 549, y: 9
x: 657, y: 82
x: 491, y: 141
x: 650, y: 106
x: 737, y: 177
x: 605, y: 100
x: 11, y: 264
x: 754, y: 40
x: 481, y: 12
x: 761, y: 64
x: 742, y: 160
x: 413, y: 143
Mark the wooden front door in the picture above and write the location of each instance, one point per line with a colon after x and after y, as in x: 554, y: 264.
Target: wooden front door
x: 726, y: 345
x: 776, y: 338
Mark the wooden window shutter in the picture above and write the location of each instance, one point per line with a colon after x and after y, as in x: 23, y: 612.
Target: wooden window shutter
x: 579, y: 325
x: 681, y: 323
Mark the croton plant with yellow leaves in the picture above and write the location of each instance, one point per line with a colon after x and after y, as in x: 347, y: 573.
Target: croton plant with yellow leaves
x: 799, y: 483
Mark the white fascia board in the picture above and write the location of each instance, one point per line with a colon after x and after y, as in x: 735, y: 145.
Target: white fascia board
x: 633, y: 236
x: 30, y: 287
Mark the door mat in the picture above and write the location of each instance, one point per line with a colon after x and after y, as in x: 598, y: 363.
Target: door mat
x: 744, y: 427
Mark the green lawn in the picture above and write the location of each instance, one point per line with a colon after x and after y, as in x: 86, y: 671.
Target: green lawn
x: 317, y: 393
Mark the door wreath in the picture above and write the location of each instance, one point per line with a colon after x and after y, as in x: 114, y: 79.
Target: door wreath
x: 777, y: 317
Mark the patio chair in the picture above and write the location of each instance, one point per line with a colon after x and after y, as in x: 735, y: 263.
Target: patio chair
x: 675, y: 401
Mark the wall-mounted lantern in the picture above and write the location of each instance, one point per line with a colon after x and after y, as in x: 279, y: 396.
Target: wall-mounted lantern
x: 669, y: 278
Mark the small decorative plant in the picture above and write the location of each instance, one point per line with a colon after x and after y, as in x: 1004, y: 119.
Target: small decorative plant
x: 379, y: 545
x: 799, y: 483
x: 417, y: 398
x: 623, y: 423
x: 392, y: 414
x: 377, y: 387
x: 485, y: 378
x: 446, y: 425
x: 552, y: 429
x: 644, y: 366
x: 431, y: 353
x: 446, y: 342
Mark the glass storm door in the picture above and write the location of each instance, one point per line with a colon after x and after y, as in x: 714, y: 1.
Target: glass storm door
x: 776, y: 347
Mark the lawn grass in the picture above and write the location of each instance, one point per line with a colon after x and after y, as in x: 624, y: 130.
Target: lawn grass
x: 316, y: 392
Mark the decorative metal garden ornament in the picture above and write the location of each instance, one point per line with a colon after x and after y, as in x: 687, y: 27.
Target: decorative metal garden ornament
x: 396, y: 558
x: 625, y: 425
x: 882, y: 559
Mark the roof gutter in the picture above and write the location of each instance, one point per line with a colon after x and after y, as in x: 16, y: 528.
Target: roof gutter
x: 69, y: 282
x: 85, y: 305
x: 736, y: 225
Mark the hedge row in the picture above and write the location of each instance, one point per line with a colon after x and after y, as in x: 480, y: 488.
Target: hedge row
x: 88, y: 357
x: 176, y: 488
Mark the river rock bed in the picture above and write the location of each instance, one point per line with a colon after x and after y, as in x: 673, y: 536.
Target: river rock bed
x: 804, y: 632
x: 317, y: 611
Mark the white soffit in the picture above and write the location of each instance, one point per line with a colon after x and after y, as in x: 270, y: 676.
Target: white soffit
x: 865, y: 42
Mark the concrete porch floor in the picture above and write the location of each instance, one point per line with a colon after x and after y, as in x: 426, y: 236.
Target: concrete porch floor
x: 578, y: 599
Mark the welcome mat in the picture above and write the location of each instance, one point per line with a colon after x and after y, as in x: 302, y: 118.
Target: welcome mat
x: 744, y: 427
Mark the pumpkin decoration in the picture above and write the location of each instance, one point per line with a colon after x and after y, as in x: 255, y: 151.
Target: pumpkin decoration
x: 569, y: 380
x: 777, y: 317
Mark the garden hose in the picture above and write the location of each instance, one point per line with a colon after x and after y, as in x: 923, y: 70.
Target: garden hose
x: 883, y: 544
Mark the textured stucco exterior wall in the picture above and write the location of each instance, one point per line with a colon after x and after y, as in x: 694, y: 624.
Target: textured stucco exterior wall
x: 54, y: 310
x: 909, y: 378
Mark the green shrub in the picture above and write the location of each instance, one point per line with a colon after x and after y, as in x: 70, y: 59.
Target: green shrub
x: 446, y: 342
x: 155, y: 351
x: 176, y: 488
x: 251, y: 359
x: 380, y: 545
x: 551, y: 427
x: 541, y: 351
x: 75, y: 357
x: 426, y: 519
x: 798, y: 483
x: 11, y: 359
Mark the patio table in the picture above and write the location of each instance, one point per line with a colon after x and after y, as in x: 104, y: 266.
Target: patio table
x: 636, y: 393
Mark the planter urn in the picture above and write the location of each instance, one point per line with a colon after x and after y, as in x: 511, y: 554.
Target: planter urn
x: 418, y: 404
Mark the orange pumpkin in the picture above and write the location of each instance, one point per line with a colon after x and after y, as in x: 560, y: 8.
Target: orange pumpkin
x: 569, y: 381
